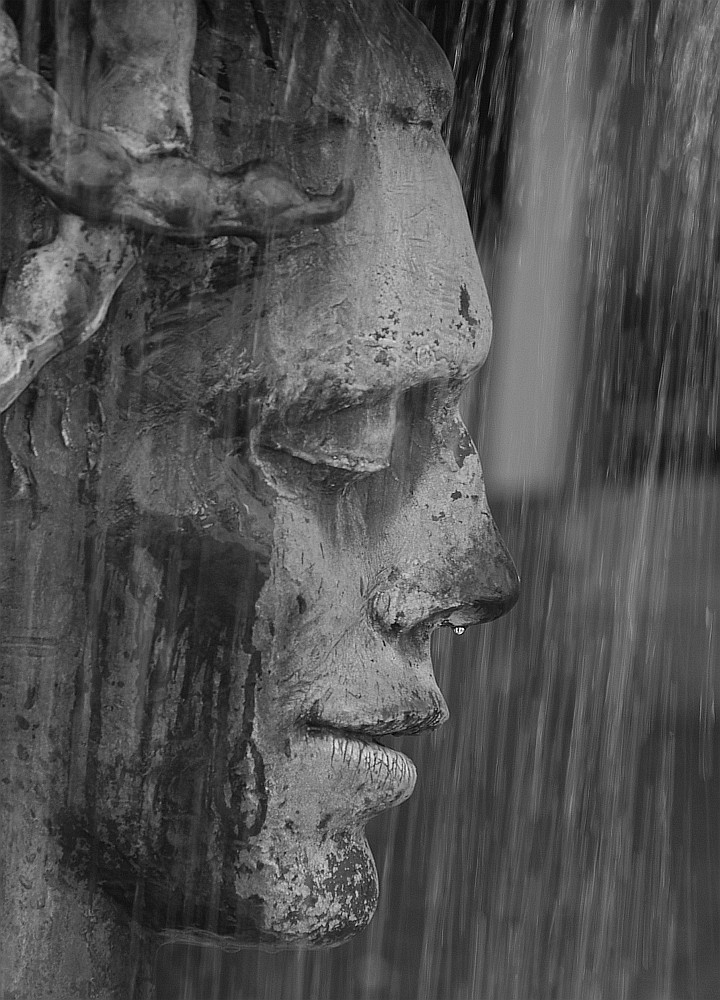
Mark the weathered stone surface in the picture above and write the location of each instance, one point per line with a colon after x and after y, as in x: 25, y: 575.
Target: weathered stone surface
x: 231, y: 522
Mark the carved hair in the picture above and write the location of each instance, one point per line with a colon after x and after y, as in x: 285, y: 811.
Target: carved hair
x: 130, y: 171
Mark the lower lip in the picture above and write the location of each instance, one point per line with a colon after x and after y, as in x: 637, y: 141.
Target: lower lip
x: 386, y: 776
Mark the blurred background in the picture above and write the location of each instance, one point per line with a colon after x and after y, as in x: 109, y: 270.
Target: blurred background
x: 563, y: 842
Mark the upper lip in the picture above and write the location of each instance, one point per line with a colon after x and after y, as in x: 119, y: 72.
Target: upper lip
x: 409, y: 722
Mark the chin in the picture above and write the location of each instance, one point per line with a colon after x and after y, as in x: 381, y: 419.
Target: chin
x: 303, y: 895
x: 323, y: 894
x: 296, y: 872
x: 293, y: 891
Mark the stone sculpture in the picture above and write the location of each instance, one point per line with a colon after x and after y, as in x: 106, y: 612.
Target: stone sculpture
x: 233, y: 517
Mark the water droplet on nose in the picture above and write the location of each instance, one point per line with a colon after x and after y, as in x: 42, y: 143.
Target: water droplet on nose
x: 459, y: 629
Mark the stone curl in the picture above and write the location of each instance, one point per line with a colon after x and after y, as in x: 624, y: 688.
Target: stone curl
x: 89, y: 173
x: 59, y: 295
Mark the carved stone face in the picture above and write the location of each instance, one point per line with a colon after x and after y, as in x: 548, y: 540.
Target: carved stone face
x: 285, y: 502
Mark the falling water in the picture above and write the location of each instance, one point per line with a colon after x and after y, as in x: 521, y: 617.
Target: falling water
x: 564, y: 838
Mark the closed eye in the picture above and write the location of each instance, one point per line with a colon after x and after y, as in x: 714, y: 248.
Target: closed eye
x: 393, y: 435
x: 357, y: 440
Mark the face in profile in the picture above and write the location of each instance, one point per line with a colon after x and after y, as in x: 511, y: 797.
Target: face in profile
x: 285, y: 504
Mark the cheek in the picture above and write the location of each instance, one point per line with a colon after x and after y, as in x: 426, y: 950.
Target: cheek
x: 174, y: 473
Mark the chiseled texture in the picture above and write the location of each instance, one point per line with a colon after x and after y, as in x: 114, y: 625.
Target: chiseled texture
x: 58, y: 298
x: 232, y: 521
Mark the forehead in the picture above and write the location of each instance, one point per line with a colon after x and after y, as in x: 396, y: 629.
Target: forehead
x: 388, y: 297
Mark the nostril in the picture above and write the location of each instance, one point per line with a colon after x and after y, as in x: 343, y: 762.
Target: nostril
x: 463, y: 616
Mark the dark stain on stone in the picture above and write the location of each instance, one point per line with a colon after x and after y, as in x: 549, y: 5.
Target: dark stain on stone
x: 263, y: 29
x: 83, y: 294
x: 462, y: 449
x: 223, y: 80
x: 457, y: 495
x: 465, y: 306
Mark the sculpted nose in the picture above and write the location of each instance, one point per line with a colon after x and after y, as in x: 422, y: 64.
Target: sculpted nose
x: 473, y: 580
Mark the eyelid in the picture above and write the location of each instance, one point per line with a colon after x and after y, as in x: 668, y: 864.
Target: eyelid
x: 357, y: 439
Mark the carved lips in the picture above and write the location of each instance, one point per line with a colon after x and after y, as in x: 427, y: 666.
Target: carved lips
x: 385, y: 776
